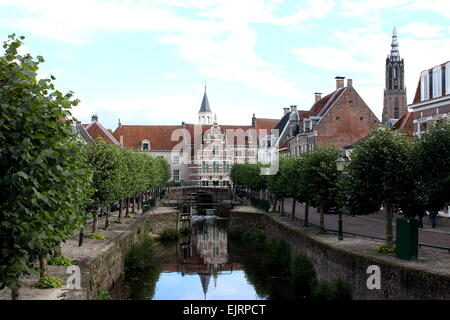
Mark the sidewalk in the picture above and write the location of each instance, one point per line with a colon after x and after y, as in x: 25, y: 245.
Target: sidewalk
x: 371, y: 226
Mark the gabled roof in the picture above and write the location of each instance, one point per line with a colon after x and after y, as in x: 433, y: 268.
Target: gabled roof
x: 320, y: 107
x: 95, y: 130
x: 83, y: 133
x: 405, y: 123
x: 205, y: 104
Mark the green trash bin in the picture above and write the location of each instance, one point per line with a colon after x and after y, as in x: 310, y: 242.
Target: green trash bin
x: 407, y: 243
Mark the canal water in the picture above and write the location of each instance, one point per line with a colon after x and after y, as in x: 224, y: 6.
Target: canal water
x: 213, y: 263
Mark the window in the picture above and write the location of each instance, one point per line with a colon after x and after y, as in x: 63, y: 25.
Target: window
x: 424, y: 86
x: 176, y: 175
x: 447, y: 78
x: 145, y: 145
x: 361, y: 118
x: 176, y: 160
x: 396, y: 108
x: 437, y: 81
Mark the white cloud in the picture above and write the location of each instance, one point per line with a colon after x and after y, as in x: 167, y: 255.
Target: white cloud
x: 422, y: 30
x: 359, y: 54
x: 217, y: 37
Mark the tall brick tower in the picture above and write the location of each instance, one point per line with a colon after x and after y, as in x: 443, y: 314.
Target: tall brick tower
x: 394, y: 106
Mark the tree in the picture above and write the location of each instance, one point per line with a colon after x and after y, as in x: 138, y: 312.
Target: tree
x: 378, y: 175
x: 104, y: 163
x: 42, y: 177
x: 430, y: 159
x: 319, y: 177
x: 277, y: 184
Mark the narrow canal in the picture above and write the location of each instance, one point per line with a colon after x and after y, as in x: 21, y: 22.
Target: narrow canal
x: 213, y: 262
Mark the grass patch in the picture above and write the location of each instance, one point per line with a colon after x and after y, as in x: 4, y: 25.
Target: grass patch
x: 169, y: 235
x: 49, y: 282
x: 96, y: 236
x: 60, y: 261
x: 118, y: 221
x: 103, y: 295
x: 387, y: 250
x: 185, y: 230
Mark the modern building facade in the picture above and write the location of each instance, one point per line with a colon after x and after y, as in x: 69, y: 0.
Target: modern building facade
x: 432, y: 98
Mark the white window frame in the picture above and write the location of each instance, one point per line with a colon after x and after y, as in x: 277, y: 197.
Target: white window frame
x: 176, y: 160
x: 145, y: 142
x: 447, y: 78
x: 437, y: 81
x: 176, y: 177
x: 424, y: 86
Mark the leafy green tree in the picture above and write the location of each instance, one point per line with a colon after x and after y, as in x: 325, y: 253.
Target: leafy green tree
x: 42, y: 178
x: 277, y: 185
x: 319, y: 178
x: 105, y: 164
x: 379, y: 175
x: 430, y: 160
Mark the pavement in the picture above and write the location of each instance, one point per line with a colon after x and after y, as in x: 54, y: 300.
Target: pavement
x: 371, y: 226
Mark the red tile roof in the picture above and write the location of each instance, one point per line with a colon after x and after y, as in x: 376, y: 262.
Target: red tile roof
x: 405, y: 123
x: 160, y: 136
x: 96, y: 130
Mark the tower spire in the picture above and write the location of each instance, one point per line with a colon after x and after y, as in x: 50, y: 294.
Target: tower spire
x: 395, y: 55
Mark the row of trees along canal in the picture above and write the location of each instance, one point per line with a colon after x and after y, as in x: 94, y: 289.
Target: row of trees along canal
x: 387, y: 169
x: 51, y: 182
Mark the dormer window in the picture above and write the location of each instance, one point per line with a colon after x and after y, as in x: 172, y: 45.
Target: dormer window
x: 437, y: 81
x: 145, y: 146
x: 424, y: 86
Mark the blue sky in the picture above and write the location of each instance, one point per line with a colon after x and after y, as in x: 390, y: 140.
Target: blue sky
x: 146, y: 62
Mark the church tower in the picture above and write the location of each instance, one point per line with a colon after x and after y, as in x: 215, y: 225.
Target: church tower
x: 205, y: 115
x: 394, y: 106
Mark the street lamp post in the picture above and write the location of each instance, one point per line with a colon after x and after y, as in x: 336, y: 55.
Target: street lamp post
x: 341, y: 162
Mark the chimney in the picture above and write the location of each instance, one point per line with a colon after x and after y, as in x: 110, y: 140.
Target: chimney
x: 349, y: 83
x: 183, y: 124
x: 286, y: 110
x: 339, y: 82
x: 293, y: 108
x: 121, y: 140
x: 253, y: 121
x: 119, y: 125
x: 317, y: 96
x: 94, y: 118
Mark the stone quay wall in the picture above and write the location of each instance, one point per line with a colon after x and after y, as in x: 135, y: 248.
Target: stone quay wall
x: 397, y: 281
x: 103, y: 268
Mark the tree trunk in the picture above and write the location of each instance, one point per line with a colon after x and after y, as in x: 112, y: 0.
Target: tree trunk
x: 94, y: 222
x: 142, y: 203
x: 293, y: 208
x: 128, y: 208
x: 389, y: 235
x: 107, y: 216
x: 282, y: 206
x: 42, y: 267
x: 306, y: 214
x: 275, y: 205
x: 132, y: 204
x: 120, y: 209
x: 15, y: 291
x: 322, y: 220
x: 57, y: 251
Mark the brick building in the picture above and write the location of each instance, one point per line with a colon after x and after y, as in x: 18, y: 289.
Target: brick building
x: 339, y: 119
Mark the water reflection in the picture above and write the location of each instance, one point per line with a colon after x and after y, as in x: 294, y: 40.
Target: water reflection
x: 210, y: 263
x: 203, y: 268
